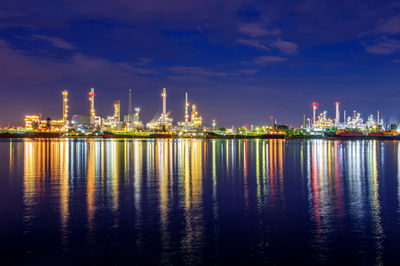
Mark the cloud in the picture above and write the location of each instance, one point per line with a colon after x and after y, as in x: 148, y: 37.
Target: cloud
x: 390, y: 26
x: 56, y: 42
x: 254, y: 43
x: 248, y: 71
x: 256, y: 30
x: 196, y: 71
x: 286, y: 47
x: 77, y: 67
x: 384, y: 47
x: 264, y: 60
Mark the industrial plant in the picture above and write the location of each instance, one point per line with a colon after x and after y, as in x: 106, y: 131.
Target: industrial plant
x: 353, y: 122
x: 91, y: 123
x: 319, y: 125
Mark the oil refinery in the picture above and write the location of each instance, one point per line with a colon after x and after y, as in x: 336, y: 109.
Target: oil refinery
x: 319, y: 125
x: 90, y: 123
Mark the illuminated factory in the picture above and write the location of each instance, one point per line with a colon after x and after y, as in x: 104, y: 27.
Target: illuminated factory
x: 354, y: 122
x: 90, y: 122
x: 132, y: 120
x: 87, y: 123
x: 195, y: 122
x: 164, y: 122
x: 35, y: 123
x: 192, y: 124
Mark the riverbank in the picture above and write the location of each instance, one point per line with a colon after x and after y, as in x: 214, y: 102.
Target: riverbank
x: 208, y: 135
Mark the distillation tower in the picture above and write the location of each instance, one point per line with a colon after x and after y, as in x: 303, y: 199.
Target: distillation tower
x: 65, y: 107
x: 337, y: 119
x: 117, y: 111
x: 314, y: 105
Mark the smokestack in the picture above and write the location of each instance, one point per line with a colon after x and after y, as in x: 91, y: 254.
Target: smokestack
x: 378, y: 117
x: 91, y: 99
x: 164, y: 95
x: 130, y: 109
x: 314, y: 104
x: 337, y: 113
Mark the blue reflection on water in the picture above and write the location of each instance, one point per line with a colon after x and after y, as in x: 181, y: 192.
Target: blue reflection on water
x: 188, y: 201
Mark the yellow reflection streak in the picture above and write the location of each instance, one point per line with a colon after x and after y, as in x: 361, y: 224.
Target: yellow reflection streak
x: 115, y: 157
x: 193, y: 191
x: 91, y: 183
x: 375, y: 205
x: 259, y: 201
x: 64, y: 186
x: 163, y: 149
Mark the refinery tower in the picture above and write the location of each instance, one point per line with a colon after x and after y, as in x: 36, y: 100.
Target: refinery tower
x: 132, y: 119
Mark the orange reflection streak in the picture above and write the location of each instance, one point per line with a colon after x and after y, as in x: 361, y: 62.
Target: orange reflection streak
x: 91, y: 185
x: 11, y: 166
x: 271, y: 171
x: 30, y: 183
x: 265, y: 165
x: 280, y: 152
x: 205, y: 155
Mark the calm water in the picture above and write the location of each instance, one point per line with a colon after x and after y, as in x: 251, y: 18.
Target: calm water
x: 199, y: 202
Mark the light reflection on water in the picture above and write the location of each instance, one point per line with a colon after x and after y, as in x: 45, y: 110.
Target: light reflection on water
x: 194, y: 201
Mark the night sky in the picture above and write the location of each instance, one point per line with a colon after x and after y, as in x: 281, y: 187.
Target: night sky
x: 240, y: 61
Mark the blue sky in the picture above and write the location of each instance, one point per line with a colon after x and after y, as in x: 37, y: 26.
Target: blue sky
x: 240, y: 61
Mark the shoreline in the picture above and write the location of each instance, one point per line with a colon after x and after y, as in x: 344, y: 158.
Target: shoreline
x: 45, y: 135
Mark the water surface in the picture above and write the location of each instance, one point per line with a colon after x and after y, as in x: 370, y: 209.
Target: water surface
x: 199, y: 202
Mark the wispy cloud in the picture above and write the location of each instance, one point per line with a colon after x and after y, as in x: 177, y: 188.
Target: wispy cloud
x: 384, y: 47
x: 56, y: 42
x: 285, y: 46
x: 248, y: 71
x: 28, y: 68
x: 254, y: 43
x: 265, y: 60
x: 196, y: 71
x: 257, y: 30
x: 390, y: 26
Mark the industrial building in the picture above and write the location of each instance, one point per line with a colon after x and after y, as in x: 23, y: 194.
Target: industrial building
x: 164, y: 123
x: 354, y: 122
x: 193, y: 122
x: 132, y: 120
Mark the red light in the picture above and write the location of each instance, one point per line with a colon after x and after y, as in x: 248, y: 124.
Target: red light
x: 315, y: 104
x: 271, y: 117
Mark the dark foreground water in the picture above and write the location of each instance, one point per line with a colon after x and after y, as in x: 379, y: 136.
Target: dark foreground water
x: 199, y: 202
